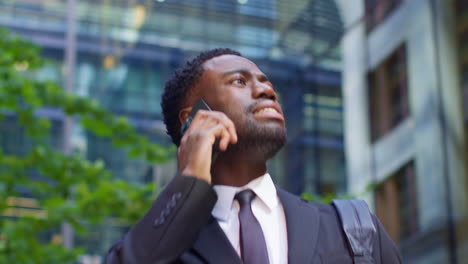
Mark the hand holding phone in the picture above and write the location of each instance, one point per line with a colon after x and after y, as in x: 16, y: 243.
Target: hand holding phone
x: 200, y: 104
x: 203, y: 132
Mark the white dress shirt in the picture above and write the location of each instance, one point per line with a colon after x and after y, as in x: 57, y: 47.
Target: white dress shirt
x: 266, y: 207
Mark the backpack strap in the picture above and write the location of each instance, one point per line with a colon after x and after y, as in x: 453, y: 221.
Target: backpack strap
x: 359, y: 228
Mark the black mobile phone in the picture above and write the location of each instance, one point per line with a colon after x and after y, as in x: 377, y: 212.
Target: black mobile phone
x: 200, y: 104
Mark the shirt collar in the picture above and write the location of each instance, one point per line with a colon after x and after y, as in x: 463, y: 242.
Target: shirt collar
x: 263, y: 187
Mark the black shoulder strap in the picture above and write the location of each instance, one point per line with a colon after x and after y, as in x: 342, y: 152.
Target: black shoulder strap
x: 359, y: 228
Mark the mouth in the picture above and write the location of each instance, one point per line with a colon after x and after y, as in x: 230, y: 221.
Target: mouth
x: 266, y: 109
x: 268, y: 112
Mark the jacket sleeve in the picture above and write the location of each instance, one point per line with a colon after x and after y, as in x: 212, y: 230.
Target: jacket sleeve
x: 170, y: 226
x: 385, y: 251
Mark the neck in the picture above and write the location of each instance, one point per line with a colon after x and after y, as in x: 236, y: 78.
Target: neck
x: 237, y: 169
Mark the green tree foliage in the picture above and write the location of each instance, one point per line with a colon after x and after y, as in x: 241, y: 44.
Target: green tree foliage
x: 68, y: 188
x: 328, y: 197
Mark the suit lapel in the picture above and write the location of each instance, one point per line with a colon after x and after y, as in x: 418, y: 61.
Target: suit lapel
x: 213, y: 245
x: 302, y: 221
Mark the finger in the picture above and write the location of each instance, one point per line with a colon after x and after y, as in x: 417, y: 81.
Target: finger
x: 220, y: 132
x: 224, y: 141
x: 226, y: 121
x: 232, y: 130
x: 205, y: 119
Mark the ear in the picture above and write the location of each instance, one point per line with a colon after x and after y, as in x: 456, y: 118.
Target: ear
x: 184, y: 113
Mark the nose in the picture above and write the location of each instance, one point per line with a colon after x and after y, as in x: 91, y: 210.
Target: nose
x: 263, y: 90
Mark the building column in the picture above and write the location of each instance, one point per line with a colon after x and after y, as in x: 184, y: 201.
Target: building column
x: 69, y: 84
x: 452, y: 122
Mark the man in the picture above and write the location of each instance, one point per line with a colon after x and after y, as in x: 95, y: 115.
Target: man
x: 230, y: 211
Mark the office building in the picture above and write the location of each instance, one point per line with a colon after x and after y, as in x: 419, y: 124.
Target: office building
x: 405, y: 93
x: 121, y: 52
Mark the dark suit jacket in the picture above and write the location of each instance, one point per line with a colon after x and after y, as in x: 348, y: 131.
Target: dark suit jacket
x: 179, y: 228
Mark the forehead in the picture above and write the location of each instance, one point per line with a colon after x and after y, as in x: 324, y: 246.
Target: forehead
x: 227, y: 63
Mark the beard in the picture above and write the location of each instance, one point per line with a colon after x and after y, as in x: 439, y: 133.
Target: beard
x: 261, y: 140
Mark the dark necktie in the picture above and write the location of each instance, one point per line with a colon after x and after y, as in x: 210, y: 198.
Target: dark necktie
x: 252, y: 242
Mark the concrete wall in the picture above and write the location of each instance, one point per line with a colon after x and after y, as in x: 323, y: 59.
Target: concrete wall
x: 433, y: 134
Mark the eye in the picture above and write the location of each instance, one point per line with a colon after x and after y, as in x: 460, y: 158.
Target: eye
x: 238, y: 81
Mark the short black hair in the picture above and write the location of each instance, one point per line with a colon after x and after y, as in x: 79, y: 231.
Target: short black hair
x: 178, y: 88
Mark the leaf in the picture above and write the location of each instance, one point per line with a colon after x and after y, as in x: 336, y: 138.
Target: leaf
x: 96, y: 126
x: 61, y: 187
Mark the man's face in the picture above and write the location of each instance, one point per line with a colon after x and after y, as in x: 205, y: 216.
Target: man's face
x: 236, y: 86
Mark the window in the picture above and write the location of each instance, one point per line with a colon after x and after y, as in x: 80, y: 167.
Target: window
x: 378, y: 10
x: 324, y: 170
x: 396, y: 203
x: 323, y: 111
x: 388, y: 94
x: 124, y: 86
x: 15, y: 141
x: 461, y: 10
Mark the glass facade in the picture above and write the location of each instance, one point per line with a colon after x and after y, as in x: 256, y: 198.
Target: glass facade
x: 125, y: 50
x: 323, y: 126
